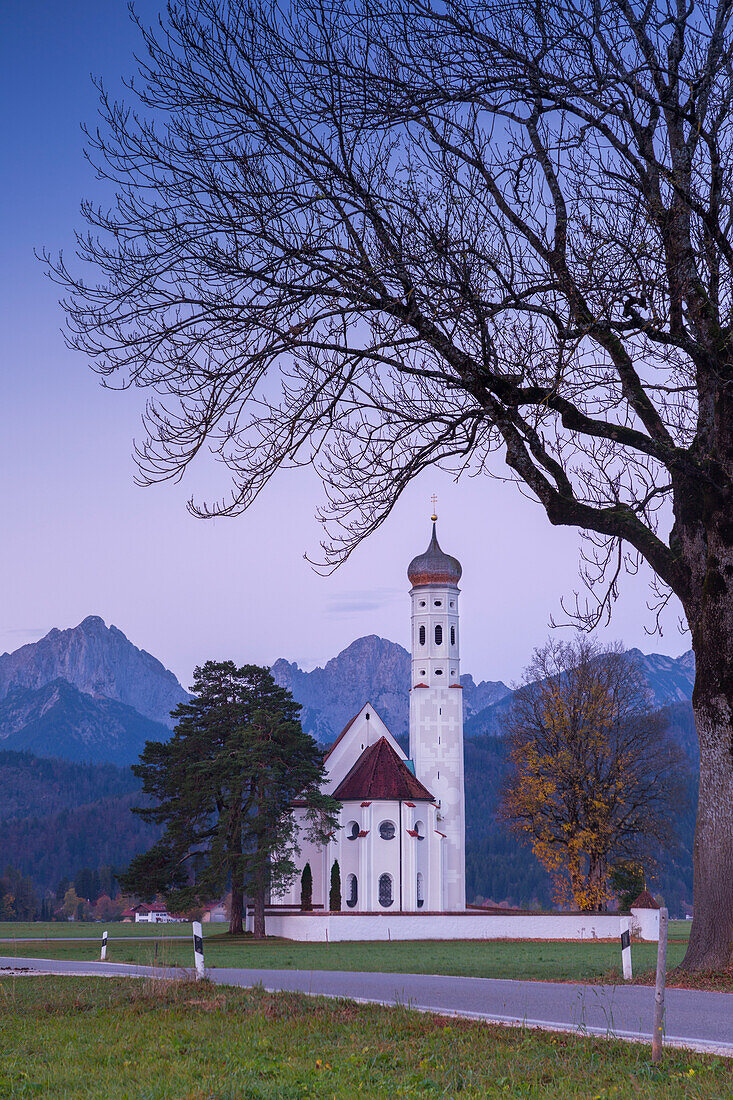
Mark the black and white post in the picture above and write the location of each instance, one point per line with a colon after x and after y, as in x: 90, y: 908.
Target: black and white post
x: 103, y: 956
x: 198, y: 949
x: 626, y: 948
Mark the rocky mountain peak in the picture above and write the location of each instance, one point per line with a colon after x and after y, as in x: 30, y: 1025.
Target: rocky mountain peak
x: 98, y: 660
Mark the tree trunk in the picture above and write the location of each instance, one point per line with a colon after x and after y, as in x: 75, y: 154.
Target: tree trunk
x: 236, y: 914
x: 711, y: 621
x: 259, y: 914
x: 711, y: 936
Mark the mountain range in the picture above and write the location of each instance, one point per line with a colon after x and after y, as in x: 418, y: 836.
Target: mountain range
x: 89, y: 697
x: 89, y: 694
x: 99, y: 661
x: 372, y: 669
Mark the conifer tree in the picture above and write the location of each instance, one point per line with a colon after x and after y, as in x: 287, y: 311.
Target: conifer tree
x: 306, y: 889
x: 334, y: 894
x: 223, y: 786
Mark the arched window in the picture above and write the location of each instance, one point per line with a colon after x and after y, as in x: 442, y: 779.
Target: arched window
x: 438, y: 634
x: 420, y: 890
x: 352, y: 831
x: 452, y: 635
x: 352, y: 891
x: 387, y: 830
x: 421, y: 635
x: 420, y: 830
x: 385, y: 891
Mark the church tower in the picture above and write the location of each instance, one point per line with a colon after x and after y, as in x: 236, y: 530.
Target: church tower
x: 436, y: 706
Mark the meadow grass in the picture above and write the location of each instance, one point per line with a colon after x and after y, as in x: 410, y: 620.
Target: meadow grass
x: 547, y: 960
x: 48, y: 930
x: 146, y: 1040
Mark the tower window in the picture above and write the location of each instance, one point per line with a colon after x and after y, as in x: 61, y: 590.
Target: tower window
x: 352, y: 831
x: 387, y: 830
x: 422, y: 671
x: 422, y: 603
x: 420, y: 890
x: 438, y: 603
x: 385, y: 891
x: 352, y: 891
x: 438, y: 634
x: 439, y: 672
x: 420, y: 830
x: 421, y: 635
x: 452, y: 635
x: 452, y: 603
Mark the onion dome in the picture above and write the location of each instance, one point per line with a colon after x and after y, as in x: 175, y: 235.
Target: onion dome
x: 434, y: 567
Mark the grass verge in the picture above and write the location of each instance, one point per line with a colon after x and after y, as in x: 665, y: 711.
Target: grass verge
x: 96, y: 1038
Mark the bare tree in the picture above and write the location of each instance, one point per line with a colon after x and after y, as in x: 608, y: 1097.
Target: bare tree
x: 382, y: 236
x: 593, y: 778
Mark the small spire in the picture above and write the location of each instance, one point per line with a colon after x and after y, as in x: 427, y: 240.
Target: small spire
x: 434, y: 502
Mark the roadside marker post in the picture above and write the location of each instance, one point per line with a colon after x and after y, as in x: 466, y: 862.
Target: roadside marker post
x: 103, y: 956
x: 626, y: 948
x: 659, y: 991
x: 198, y: 949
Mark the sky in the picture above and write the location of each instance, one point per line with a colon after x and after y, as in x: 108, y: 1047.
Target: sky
x: 81, y: 538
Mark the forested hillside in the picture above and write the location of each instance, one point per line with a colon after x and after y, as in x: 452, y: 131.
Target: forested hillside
x: 31, y: 786
x: 99, y: 834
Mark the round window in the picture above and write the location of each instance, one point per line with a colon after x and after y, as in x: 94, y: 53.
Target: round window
x: 387, y: 830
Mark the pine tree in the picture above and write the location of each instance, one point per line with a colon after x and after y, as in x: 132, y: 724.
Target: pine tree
x: 223, y: 786
x: 334, y: 894
x: 306, y: 889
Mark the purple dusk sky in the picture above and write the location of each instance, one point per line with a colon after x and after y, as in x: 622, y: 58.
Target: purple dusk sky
x: 80, y: 538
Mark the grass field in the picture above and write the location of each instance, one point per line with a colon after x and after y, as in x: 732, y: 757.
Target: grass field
x: 141, y: 1040
x: 542, y: 961
x: 539, y: 961
x: 46, y: 930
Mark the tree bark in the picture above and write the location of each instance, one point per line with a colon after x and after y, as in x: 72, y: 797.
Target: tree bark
x: 710, y: 556
x: 711, y: 936
x: 259, y: 914
x: 236, y: 914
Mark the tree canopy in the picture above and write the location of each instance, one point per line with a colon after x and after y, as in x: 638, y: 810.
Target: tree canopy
x: 594, y: 781
x: 223, y: 787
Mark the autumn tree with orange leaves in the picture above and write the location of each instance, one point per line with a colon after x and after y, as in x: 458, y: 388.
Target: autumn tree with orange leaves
x: 593, y: 778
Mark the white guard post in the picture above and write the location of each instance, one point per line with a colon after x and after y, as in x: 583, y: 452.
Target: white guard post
x: 103, y: 956
x: 626, y: 948
x: 198, y: 949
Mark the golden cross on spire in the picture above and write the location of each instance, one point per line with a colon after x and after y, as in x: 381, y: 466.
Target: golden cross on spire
x: 434, y: 502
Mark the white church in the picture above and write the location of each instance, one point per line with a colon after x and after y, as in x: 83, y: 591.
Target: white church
x: 401, y: 842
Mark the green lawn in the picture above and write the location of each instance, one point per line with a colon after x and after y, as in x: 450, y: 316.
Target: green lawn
x: 540, y: 961
x: 44, y: 930
x: 141, y: 1040
x: 548, y: 960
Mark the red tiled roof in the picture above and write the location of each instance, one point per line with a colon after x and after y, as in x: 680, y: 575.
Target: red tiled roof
x: 379, y: 773
x: 644, y: 901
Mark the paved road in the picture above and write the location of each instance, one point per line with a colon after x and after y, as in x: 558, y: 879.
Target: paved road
x: 701, y: 1021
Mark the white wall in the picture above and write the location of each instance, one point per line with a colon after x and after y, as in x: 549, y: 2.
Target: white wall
x: 449, y: 926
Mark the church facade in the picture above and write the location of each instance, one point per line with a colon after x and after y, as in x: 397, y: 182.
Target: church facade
x: 400, y: 845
